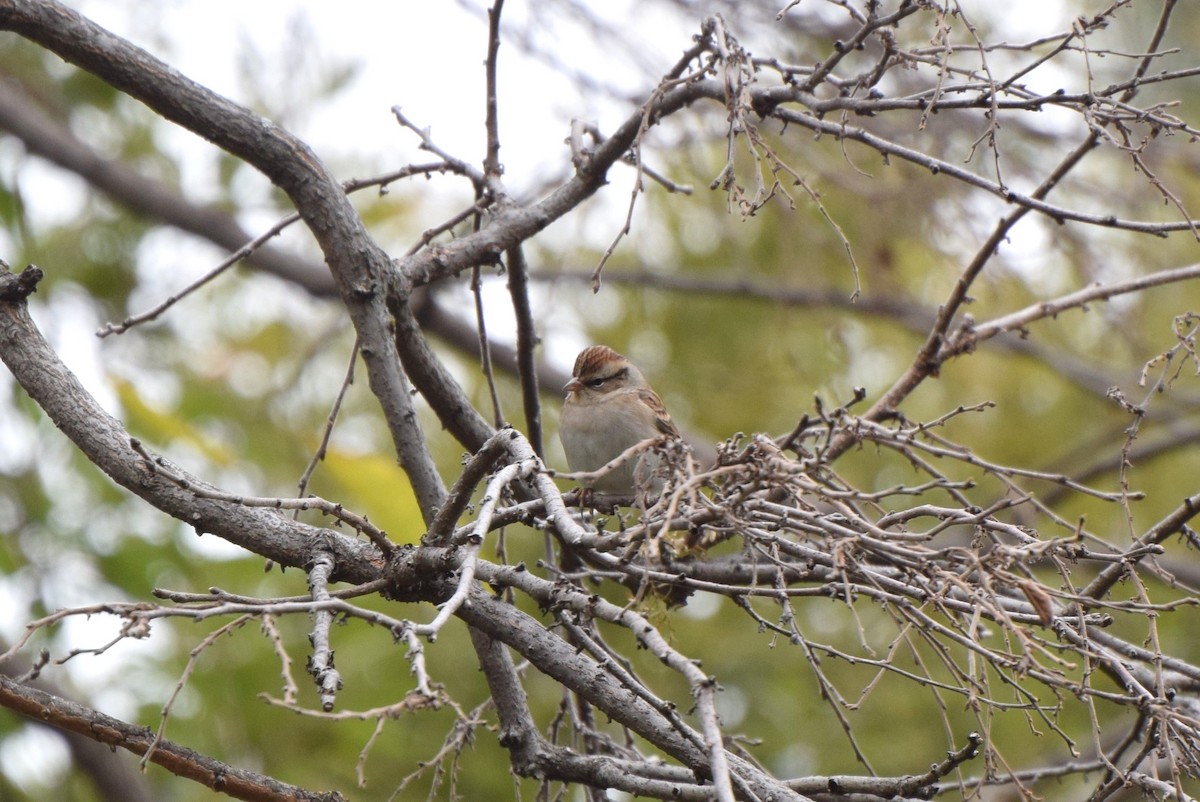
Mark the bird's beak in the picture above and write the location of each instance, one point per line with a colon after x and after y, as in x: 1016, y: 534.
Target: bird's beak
x: 572, y: 386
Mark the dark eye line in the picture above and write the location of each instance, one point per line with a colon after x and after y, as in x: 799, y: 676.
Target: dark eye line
x: 600, y: 380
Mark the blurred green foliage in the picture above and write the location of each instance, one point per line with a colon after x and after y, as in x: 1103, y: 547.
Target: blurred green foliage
x: 238, y: 390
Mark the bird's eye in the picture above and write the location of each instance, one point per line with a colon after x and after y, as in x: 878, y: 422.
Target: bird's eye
x: 600, y: 381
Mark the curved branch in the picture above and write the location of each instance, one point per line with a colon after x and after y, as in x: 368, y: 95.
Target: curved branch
x: 1171, y: 525
x: 358, y: 264
x: 516, y: 224
x: 104, y: 441
x: 970, y: 334
x: 1032, y: 202
x: 115, y: 778
x: 45, y: 137
x: 564, y: 663
x: 41, y: 135
x: 81, y: 720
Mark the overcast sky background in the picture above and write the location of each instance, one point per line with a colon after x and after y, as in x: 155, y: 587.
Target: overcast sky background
x: 426, y: 57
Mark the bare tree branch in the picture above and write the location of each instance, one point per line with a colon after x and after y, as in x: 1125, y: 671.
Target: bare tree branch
x: 358, y: 264
x: 106, y: 443
x: 996, y: 588
x: 21, y: 116
x: 75, y: 718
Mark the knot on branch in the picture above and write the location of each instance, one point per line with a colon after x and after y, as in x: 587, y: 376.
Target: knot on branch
x: 16, y: 287
x: 421, y: 574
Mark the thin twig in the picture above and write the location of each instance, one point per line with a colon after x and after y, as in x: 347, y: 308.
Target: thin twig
x: 527, y: 343
x: 320, y: 665
x: 327, y: 433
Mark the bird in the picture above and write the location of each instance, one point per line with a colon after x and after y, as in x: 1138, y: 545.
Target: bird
x: 609, y: 407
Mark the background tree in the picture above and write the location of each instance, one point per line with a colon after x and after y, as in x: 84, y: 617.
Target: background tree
x: 921, y: 272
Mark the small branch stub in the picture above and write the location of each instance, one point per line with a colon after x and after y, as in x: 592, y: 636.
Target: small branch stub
x: 16, y: 287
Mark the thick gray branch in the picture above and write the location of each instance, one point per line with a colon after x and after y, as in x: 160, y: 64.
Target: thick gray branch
x: 358, y: 264
x: 106, y: 443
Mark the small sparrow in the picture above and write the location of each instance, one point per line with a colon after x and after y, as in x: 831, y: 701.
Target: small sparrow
x: 609, y: 408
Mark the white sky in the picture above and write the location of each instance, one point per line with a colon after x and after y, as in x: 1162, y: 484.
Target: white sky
x: 426, y: 57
